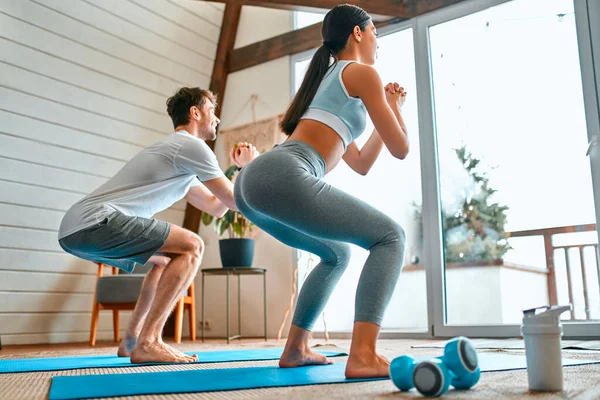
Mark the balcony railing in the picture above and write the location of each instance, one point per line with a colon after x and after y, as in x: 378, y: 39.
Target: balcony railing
x: 551, y: 252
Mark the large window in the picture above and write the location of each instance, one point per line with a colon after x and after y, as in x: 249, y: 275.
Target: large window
x: 508, y: 92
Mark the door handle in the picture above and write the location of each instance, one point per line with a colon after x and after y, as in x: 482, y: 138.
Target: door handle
x: 593, y: 142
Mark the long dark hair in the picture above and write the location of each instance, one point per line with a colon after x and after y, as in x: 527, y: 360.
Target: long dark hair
x: 337, y: 27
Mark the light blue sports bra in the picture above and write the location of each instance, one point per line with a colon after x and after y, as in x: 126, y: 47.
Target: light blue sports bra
x: 334, y: 107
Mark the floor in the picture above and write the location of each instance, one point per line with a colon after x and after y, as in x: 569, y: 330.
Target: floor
x: 582, y: 382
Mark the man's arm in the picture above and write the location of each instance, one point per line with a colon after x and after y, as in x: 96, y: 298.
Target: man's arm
x: 197, y: 158
x: 200, y: 197
x: 222, y: 188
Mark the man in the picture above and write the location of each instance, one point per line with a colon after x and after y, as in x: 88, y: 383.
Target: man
x: 113, y: 224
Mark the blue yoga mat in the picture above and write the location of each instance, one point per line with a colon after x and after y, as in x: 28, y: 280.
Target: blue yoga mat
x: 66, y: 363
x: 112, y: 385
x: 195, y: 381
x: 493, y: 362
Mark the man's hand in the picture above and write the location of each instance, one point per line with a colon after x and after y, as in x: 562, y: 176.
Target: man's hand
x: 242, y: 153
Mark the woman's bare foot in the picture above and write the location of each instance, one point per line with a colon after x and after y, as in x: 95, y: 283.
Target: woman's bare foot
x: 296, y: 357
x: 159, y: 352
x: 367, y: 366
x: 126, y: 346
x: 297, y: 351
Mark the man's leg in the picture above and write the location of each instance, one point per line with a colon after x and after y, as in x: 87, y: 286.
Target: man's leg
x: 185, y: 249
x: 147, y: 293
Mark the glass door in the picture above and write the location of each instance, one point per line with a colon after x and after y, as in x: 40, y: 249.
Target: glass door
x: 511, y: 109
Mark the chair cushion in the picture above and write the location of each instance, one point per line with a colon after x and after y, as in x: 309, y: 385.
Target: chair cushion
x: 119, y: 288
x: 139, y: 269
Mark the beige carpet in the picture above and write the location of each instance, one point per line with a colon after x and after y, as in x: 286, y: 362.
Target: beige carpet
x: 582, y: 382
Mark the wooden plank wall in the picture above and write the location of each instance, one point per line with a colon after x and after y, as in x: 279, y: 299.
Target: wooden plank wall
x: 83, y: 85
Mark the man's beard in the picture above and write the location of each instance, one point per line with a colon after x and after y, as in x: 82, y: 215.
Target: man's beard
x: 208, y: 134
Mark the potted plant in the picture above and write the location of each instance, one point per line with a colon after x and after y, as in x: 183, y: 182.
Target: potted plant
x: 474, y: 232
x: 237, y: 250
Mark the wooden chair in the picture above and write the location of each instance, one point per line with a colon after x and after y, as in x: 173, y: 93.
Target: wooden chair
x: 113, y: 297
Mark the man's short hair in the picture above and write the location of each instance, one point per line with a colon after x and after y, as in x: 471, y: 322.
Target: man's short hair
x: 178, y: 105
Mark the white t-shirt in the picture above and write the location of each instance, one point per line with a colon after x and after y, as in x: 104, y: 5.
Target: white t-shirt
x: 150, y: 182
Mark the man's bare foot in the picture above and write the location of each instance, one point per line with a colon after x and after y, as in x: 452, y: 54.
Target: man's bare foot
x: 126, y: 346
x: 176, y: 352
x: 157, y: 351
x: 367, y: 366
x: 295, y: 357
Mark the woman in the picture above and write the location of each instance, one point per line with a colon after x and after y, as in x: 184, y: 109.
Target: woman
x: 282, y: 192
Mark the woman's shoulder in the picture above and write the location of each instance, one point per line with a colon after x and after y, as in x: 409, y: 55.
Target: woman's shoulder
x: 359, y: 68
x: 358, y: 77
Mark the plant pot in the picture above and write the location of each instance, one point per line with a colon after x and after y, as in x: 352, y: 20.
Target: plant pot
x: 236, y: 252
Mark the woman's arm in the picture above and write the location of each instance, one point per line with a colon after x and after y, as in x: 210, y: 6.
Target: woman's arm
x: 362, y: 160
x: 383, y: 105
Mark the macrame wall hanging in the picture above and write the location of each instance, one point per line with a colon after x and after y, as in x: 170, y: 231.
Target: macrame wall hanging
x: 264, y: 133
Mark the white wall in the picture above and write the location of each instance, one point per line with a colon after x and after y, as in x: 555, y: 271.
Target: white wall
x: 271, y: 82
x: 83, y: 86
x: 529, y: 290
x: 475, y: 295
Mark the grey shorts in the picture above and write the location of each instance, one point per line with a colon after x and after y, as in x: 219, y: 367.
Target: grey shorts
x: 118, y: 240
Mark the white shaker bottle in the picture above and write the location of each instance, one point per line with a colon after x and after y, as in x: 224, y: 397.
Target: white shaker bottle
x: 542, y: 332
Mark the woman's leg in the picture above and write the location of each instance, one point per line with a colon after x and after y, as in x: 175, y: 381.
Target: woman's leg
x: 335, y: 257
x: 303, y: 203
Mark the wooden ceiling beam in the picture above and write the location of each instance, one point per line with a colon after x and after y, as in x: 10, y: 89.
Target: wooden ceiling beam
x: 395, y: 8
x: 285, y: 44
x: 218, y: 82
x: 229, y: 27
x: 270, y: 49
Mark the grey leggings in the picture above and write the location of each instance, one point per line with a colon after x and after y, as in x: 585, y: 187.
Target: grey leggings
x: 283, y: 194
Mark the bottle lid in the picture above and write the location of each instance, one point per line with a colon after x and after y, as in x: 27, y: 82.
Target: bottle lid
x: 545, y: 315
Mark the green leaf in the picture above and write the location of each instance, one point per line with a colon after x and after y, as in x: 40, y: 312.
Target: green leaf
x: 231, y: 171
x: 237, y: 228
x: 229, y: 216
x: 223, y: 228
x: 207, y: 218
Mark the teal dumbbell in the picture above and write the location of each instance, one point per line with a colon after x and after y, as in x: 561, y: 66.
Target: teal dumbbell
x: 433, y: 377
